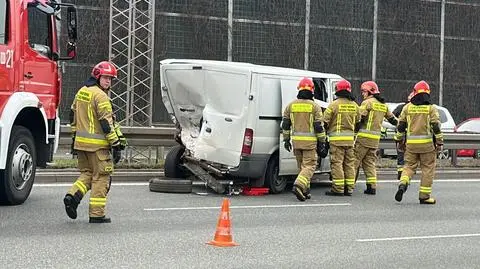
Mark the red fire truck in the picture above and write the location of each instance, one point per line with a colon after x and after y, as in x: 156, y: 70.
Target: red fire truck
x: 30, y: 88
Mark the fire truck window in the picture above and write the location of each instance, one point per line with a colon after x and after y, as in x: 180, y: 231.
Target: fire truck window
x: 3, y: 22
x: 38, y: 31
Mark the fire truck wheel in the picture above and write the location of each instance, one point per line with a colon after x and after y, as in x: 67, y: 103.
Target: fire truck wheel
x: 171, y: 185
x: 172, y: 167
x: 273, y: 181
x: 16, y: 180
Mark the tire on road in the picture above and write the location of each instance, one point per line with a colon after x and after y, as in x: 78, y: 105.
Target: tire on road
x: 170, y: 185
x: 273, y: 181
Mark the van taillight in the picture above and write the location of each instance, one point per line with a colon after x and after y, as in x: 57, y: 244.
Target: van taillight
x: 247, y: 142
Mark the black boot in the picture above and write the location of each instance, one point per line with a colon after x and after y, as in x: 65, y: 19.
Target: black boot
x: 332, y: 193
x: 401, y: 190
x: 346, y: 192
x: 370, y: 190
x: 71, y: 203
x: 99, y: 220
x: 299, y: 193
x: 428, y: 201
x: 307, y: 194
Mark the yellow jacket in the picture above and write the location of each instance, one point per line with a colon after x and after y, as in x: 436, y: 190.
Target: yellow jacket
x: 306, y: 124
x: 341, y: 116
x: 371, y: 130
x: 92, y: 121
x: 420, y: 125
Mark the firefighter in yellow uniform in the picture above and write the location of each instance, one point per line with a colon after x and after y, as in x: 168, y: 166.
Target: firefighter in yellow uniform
x: 302, y: 123
x: 340, y: 120
x: 372, y: 110
x: 94, y: 137
x: 419, y: 126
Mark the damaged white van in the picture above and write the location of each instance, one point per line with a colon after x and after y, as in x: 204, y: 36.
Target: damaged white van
x: 228, y: 116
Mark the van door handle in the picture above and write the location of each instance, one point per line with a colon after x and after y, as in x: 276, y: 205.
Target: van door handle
x: 28, y: 75
x: 208, y: 130
x: 228, y: 119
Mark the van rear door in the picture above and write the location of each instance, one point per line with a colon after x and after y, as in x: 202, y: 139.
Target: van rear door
x: 224, y: 116
x: 288, y: 162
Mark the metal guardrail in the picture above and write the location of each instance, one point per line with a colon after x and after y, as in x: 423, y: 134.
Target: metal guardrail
x: 451, y: 140
x: 163, y: 137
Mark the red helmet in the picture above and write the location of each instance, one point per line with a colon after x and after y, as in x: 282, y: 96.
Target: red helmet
x: 421, y: 87
x: 306, y: 84
x: 370, y: 87
x: 104, y: 68
x: 343, y: 85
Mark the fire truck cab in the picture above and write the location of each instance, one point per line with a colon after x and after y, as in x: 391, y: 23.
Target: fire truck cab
x: 30, y: 89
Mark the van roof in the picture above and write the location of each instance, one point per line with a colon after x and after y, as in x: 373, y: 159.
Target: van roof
x: 254, y: 68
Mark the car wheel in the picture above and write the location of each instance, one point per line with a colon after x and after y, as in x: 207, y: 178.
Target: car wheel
x: 273, y: 181
x: 16, y: 180
x: 172, y: 166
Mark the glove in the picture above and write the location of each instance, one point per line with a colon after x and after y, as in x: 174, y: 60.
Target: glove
x: 123, y: 142
x: 322, y: 150
x: 287, y: 145
x: 116, y: 154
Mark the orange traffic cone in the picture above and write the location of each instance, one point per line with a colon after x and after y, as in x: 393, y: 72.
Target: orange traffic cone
x: 223, y: 235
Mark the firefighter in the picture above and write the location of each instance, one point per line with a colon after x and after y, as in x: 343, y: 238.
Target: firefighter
x: 419, y: 134
x: 340, y: 120
x: 401, y: 154
x: 302, y: 123
x: 95, y: 135
x: 372, y: 110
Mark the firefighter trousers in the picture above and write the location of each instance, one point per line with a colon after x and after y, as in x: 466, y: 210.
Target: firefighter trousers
x: 95, y: 175
x: 367, y: 159
x: 342, y: 163
x: 307, y: 163
x: 427, y: 162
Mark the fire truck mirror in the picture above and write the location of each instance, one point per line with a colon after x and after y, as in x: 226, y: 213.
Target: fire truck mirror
x: 72, y: 23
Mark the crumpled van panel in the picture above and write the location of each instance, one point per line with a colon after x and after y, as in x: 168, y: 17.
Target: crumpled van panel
x: 187, y: 96
x: 211, y: 108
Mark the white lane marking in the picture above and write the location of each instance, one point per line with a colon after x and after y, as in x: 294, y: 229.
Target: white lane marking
x: 243, y: 207
x: 417, y: 237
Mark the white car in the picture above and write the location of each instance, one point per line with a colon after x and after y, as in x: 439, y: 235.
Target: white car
x: 447, y: 126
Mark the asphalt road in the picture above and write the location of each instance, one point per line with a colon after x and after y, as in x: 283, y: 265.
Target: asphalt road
x: 157, y: 230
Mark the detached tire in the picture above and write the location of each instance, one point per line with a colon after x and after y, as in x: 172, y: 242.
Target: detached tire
x: 273, y: 181
x: 172, y: 167
x: 170, y: 185
x: 16, y: 180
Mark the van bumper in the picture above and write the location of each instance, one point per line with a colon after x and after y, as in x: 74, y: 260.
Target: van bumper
x: 252, y: 166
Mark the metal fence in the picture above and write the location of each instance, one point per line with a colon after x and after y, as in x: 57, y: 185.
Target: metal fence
x: 395, y: 42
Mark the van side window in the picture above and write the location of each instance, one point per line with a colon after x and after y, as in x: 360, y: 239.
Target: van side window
x: 3, y: 21
x: 39, y: 25
x: 320, y: 92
